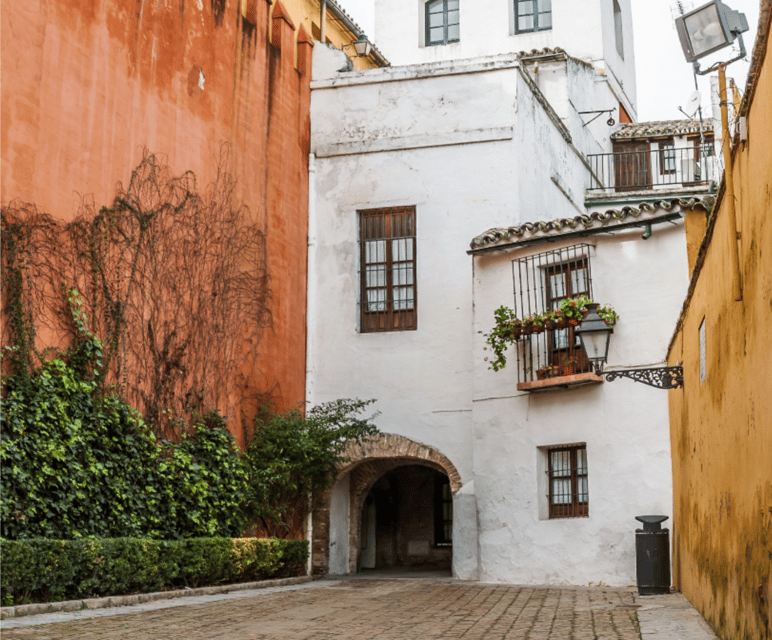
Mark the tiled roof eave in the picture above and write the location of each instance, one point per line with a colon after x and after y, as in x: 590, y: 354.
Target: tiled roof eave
x: 596, y: 222
x: 662, y: 128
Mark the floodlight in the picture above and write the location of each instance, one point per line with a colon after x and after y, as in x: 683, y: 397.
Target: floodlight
x: 709, y: 28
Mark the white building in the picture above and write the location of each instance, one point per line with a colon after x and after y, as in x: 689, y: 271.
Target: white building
x: 410, y: 167
x: 598, y: 31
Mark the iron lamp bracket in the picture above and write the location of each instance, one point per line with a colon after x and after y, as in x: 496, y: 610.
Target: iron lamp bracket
x: 658, y: 377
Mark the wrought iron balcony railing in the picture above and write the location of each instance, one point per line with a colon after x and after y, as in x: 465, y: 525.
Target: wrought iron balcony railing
x: 652, y: 169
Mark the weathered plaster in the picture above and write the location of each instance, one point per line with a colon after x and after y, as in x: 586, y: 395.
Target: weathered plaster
x: 721, y: 427
x: 371, y: 136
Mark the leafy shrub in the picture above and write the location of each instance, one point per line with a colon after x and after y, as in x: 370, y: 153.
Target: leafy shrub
x: 292, y: 456
x: 41, y: 570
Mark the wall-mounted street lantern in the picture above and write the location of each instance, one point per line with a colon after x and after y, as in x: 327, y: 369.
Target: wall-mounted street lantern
x: 361, y: 45
x: 595, y: 335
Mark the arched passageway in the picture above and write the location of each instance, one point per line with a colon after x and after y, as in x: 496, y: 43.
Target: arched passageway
x: 406, y: 520
x: 401, y: 475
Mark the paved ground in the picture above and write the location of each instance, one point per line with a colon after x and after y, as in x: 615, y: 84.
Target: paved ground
x: 382, y: 607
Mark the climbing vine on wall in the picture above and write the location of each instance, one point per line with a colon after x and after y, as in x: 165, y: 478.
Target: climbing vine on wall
x: 172, y: 279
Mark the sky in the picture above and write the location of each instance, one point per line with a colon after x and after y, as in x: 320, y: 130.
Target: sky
x: 665, y: 79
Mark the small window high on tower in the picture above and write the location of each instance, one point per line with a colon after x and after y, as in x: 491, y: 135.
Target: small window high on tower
x: 442, y: 22
x: 533, y: 15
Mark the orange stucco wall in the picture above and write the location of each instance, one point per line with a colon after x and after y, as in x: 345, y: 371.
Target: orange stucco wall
x: 87, y: 84
x: 721, y: 427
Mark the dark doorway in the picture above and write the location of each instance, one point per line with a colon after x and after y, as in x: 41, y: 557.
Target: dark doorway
x: 407, y: 521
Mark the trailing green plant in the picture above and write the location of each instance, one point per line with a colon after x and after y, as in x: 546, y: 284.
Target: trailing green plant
x: 508, y: 328
x: 292, y: 456
x: 41, y: 570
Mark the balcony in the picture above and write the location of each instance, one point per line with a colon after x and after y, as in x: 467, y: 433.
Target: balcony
x: 550, y: 356
x: 658, y: 168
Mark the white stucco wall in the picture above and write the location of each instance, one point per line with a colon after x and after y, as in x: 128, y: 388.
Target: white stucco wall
x: 624, y: 424
x: 583, y: 28
x: 340, y: 522
x: 472, y: 145
x: 469, y: 146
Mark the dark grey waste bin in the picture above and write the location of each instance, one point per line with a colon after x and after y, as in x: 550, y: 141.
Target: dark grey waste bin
x: 652, y: 551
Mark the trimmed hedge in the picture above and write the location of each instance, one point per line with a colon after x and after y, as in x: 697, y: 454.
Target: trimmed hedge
x: 40, y: 570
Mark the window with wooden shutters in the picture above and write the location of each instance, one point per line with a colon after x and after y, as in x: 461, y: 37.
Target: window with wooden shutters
x: 667, y: 157
x: 567, y: 280
x: 387, y: 261
x: 568, y: 490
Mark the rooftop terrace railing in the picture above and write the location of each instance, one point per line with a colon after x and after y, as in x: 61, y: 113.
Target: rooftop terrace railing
x: 658, y: 168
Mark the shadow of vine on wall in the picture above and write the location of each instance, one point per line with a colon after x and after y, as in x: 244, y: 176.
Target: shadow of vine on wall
x: 173, y: 280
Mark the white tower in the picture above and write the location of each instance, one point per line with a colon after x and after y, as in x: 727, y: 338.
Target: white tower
x: 597, y: 31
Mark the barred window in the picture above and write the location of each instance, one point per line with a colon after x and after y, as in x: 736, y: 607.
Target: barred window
x: 442, y: 22
x: 387, y: 260
x: 533, y: 15
x: 540, y: 282
x: 567, y: 280
x: 568, y: 491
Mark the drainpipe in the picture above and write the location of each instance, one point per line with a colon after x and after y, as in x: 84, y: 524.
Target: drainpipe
x: 322, y: 20
x: 310, y: 280
x: 647, y: 231
x: 310, y: 324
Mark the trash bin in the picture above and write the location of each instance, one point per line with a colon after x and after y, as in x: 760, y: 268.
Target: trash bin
x: 652, y: 551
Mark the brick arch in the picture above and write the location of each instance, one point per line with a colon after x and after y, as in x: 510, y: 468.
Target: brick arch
x: 366, y: 462
x: 390, y: 446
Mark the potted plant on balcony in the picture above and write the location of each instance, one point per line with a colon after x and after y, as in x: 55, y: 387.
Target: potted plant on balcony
x: 545, y: 372
x: 508, y: 328
x: 567, y: 364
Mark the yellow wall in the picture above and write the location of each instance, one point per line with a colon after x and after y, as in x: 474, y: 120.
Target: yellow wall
x: 306, y: 12
x: 721, y: 429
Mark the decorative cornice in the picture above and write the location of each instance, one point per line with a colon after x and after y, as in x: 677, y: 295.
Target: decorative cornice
x: 598, y: 220
x: 661, y: 128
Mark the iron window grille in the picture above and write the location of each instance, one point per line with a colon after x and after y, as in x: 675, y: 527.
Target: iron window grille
x: 533, y: 15
x: 442, y: 22
x: 568, y: 489
x: 387, y: 245
x: 540, y: 282
x: 443, y: 513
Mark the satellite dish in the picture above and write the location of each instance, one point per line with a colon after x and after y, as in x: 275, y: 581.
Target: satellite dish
x: 692, y: 104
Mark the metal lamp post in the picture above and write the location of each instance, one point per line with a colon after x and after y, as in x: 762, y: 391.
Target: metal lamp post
x: 595, y: 335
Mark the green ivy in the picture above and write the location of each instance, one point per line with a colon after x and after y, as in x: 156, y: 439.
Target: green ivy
x: 77, y: 462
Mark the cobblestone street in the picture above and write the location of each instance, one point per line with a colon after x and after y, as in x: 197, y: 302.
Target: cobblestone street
x: 369, y: 608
